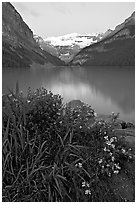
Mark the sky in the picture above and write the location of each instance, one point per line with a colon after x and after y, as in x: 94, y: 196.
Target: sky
x: 49, y: 19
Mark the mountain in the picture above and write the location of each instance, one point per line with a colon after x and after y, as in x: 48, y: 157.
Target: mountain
x: 46, y: 46
x: 19, y: 48
x: 67, y: 46
x: 117, y: 47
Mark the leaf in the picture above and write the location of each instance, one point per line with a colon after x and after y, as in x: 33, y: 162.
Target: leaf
x: 71, y: 136
x: 18, y: 175
x: 65, y: 137
x: 58, y: 186
x: 7, y: 130
x: 62, y: 177
x: 60, y: 140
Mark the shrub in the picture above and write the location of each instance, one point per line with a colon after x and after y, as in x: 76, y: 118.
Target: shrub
x: 52, y: 153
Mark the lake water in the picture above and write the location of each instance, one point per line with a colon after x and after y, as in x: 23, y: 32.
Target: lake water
x: 106, y: 89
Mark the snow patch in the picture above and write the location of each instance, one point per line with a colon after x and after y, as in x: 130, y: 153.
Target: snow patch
x: 73, y: 39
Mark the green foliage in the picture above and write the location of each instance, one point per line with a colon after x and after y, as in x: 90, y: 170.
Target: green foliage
x: 52, y: 153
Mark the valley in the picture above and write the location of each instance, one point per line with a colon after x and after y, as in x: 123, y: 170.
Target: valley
x: 21, y: 47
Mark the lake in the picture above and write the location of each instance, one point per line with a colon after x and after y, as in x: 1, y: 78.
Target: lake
x: 106, y: 89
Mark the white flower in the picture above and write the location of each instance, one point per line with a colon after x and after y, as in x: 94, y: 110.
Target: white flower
x: 100, y: 161
x: 108, y: 143
x: 87, y: 185
x: 79, y: 165
x: 129, y: 149
x: 109, y: 174
x: 28, y: 101
x: 130, y: 157
x: 116, y: 172
x: 110, y: 153
x: 83, y: 184
x: 80, y: 127
x: 123, y: 150
x: 117, y: 166
x: 112, y: 158
x: 113, y: 146
x: 112, y: 140
x: 87, y: 192
x: 106, y: 137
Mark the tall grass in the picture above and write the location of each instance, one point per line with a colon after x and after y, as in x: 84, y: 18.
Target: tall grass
x: 51, y: 153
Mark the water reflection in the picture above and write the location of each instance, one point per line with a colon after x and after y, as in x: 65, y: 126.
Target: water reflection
x: 106, y: 89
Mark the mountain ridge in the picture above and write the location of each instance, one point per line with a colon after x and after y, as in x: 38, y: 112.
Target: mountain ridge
x: 117, y: 48
x: 19, y: 48
x: 66, y: 46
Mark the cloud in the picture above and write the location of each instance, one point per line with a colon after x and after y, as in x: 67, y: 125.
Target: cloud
x: 61, y: 7
x: 34, y: 13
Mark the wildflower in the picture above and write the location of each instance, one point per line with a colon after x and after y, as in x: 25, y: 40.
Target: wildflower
x: 109, y: 174
x: 60, y: 122
x: 112, y: 140
x: 117, y: 166
x: 79, y: 165
x: 87, y: 192
x: 105, y: 149
x: 110, y: 153
x: 116, y: 172
x: 130, y: 157
x: 123, y: 150
x: 112, y: 158
x: 80, y: 127
x: 83, y: 184
x: 108, y: 143
x: 100, y: 161
x: 28, y: 101
x: 87, y: 185
x: 113, y: 146
x: 106, y: 137
x: 129, y: 149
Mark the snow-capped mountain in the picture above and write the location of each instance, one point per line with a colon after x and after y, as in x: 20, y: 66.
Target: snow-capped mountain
x: 73, y: 39
x: 66, y: 46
